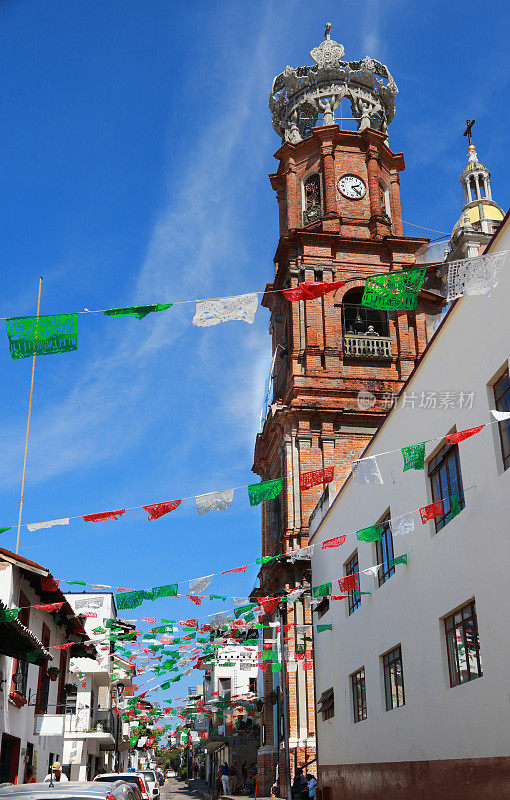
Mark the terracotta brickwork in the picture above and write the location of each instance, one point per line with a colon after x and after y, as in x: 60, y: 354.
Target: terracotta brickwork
x: 449, y: 779
x: 315, y: 419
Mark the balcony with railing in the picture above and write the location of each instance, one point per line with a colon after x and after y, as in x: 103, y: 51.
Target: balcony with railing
x: 365, y: 333
x: 79, y: 724
x: 366, y: 346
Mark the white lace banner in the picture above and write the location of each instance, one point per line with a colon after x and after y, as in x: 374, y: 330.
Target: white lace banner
x: 244, y: 666
x: 372, y: 570
x: 241, y: 601
x: 219, y: 619
x: 37, y: 526
x: 224, y: 309
x: 303, y: 552
x: 366, y: 470
x: 500, y: 416
x: 402, y: 525
x: 301, y: 630
x: 294, y: 594
x: 471, y: 276
x: 214, y: 501
x: 199, y: 585
x: 291, y: 666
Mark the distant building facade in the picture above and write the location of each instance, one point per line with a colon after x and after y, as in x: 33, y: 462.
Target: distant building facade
x: 412, y: 679
x: 93, y: 729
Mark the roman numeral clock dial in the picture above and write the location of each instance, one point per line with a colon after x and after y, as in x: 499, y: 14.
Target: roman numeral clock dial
x: 352, y: 186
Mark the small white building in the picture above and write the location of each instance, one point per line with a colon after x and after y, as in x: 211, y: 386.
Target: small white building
x: 122, y: 677
x: 92, y: 728
x: 34, y: 670
x: 412, y: 680
x: 231, y: 675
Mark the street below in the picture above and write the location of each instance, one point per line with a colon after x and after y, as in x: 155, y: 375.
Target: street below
x: 174, y: 789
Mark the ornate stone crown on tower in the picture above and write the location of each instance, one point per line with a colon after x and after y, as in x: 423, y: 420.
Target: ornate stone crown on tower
x: 300, y: 94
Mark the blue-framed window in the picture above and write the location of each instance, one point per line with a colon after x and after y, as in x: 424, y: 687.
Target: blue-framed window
x: 352, y: 568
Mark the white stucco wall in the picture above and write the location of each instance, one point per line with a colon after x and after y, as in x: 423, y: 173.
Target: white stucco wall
x: 96, y: 675
x: 19, y: 722
x: 469, y: 558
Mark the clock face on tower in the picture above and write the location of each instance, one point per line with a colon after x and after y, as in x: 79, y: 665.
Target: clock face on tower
x: 352, y: 186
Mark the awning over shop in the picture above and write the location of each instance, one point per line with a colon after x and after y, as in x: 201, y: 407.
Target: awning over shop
x: 211, y: 747
x: 18, y: 641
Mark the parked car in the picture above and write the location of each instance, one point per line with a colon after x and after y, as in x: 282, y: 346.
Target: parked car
x: 160, y: 776
x: 113, y: 789
x: 135, y: 779
x: 152, y: 782
x: 170, y: 773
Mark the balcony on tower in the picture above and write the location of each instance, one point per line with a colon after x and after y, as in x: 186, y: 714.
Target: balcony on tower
x: 365, y: 331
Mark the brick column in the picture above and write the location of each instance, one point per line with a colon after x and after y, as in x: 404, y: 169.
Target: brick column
x: 373, y: 182
x: 328, y: 164
x: 282, y: 209
x: 396, y: 211
x: 291, y: 193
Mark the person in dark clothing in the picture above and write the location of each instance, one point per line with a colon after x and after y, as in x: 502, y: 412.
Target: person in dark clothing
x: 299, y: 786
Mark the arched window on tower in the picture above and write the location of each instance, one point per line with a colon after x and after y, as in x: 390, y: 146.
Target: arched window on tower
x: 365, y: 331
x: 481, y: 184
x: 312, y: 198
x: 384, y: 200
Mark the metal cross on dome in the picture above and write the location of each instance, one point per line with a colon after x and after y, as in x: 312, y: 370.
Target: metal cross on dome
x: 467, y: 132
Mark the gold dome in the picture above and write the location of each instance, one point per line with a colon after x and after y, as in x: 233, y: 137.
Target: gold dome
x: 491, y: 211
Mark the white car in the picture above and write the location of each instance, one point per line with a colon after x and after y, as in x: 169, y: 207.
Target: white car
x: 135, y: 778
x: 152, y: 782
x: 170, y: 773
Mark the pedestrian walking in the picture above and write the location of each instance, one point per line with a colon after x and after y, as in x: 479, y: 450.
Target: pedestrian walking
x: 312, y: 786
x: 225, y: 778
x: 234, y: 780
x: 56, y: 774
x: 299, y: 786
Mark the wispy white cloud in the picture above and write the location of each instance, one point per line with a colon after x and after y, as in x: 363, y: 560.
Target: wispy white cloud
x: 196, y: 242
x: 371, y: 41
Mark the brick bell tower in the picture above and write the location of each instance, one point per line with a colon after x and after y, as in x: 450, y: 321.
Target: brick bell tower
x: 339, y: 210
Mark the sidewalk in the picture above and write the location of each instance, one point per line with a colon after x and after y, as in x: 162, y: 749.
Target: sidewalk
x: 201, y: 788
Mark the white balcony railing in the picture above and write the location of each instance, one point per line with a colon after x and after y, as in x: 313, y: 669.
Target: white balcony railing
x: 366, y: 346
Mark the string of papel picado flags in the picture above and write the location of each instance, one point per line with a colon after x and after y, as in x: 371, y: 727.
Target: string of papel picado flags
x: 364, y: 471
x: 389, y: 291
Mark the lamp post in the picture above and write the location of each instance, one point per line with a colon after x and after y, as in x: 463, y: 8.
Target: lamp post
x: 284, y: 699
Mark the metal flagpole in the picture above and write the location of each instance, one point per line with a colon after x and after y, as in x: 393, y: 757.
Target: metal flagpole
x: 288, y: 787
x: 28, y: 424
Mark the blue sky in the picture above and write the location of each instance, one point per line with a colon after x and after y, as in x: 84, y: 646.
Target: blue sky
x: 136, y: 142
